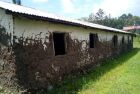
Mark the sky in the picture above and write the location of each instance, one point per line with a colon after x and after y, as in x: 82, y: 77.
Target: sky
x: 82, y: 8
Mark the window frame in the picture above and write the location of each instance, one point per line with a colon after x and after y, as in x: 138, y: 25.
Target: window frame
x: 123, y: 40
x: 93, y: 38
x: 64, y: 40
x: 115, y: 40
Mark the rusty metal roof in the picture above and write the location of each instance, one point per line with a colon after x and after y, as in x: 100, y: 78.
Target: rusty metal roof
x: 34, y: 12
x: 131, y: 28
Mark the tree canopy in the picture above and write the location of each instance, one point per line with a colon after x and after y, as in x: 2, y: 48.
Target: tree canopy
x: 116, y: 22
x: 18, y: 2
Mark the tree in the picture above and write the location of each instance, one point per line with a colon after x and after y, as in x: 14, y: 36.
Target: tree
x: 18, y: 2
x: 100, y: 15
x: 95, y: 18
x: 118, y: 22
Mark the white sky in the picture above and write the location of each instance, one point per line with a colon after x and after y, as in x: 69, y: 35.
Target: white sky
x: 82, y: 8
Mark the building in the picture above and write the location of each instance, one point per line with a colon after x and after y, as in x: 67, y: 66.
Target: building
x: 39, y: 49
x: 133, y: 29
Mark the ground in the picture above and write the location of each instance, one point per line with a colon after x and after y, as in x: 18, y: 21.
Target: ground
x: 120, y: 75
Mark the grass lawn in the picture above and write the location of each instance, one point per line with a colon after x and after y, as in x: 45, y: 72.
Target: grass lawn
x: 115, y: 76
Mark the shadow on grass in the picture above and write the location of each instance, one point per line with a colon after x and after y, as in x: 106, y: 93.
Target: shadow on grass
x: 73, y: 84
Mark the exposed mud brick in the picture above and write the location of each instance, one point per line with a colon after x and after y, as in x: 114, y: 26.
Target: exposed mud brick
x: 7, y: 60
x: 32, y: 62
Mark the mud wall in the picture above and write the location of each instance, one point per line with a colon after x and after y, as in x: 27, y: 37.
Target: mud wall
x: 6, y: 21
x: 39, y: 67
x: 31, y: 60
x: 34, y: 50
x: 7, y: 61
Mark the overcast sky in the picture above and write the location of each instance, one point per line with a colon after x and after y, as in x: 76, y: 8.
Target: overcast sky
x: 82, y: 8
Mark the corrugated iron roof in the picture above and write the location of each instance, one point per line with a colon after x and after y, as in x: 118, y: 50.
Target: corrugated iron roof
x: 34, y: 12
x: 131, y: 28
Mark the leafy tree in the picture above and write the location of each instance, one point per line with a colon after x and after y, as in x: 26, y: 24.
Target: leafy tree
x: 100, y: 15
x: 18, y: 2
x: 119, y: 22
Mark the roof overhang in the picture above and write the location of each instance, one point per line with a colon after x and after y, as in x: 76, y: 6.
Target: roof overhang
x: 34, y: 17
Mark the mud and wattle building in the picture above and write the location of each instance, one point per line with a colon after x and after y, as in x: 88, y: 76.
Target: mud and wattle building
x: 38, y: 49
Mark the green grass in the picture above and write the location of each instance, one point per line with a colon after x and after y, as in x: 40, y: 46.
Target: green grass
x: 115, y: 76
